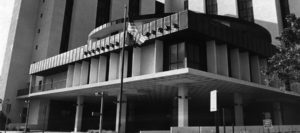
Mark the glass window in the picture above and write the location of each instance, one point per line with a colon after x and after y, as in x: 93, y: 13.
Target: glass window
x: 211, y: 7
x: 177, y: 56
x: 103, y: 12
x: 186, y: 4
x: 134, y: 8
x: 245, y: 10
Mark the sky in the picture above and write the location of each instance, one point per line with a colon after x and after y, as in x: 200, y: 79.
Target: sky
x: 6, y: 8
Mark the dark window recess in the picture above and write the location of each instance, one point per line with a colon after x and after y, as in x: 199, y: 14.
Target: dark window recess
x: 103, y: 12
x: 186, y: 4
x: 43, y: 1
x: 36, y: 47
x: 285, y: 10
x: 176, y: 56
x: 40, y: 85
x: 8, y: 108
x: 196, y: 55
x: 134, y: 8
x: 159, y: 7
x: 211, y: 7
x: 23, y: 115
x: 245, y: 10
x: 66, y: 26
x: 107, y: 67
x: 39, y: 30
x: 41, y: 15
x: 129, y: 68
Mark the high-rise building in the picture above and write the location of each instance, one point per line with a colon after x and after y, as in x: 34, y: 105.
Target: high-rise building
x: 61, y: 52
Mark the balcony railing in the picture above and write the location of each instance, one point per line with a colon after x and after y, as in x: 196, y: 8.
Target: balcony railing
x: 22, y: 92
x: 49, y: 86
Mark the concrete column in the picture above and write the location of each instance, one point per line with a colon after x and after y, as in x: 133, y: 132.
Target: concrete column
x: 123, y: 114
x: 78, y: 116
x: 136, y: 61
x: 102, y: 68
x: 70, y: 76
x: 235, y: 63
x: 94, y: 70
x: 158, y: 54
x: 148, y: 59
x: 245, y: 66
x: 77, y: 73
x: 183, y: 108
x: 84, y: 72
x: 222, y: 60
x: 255, y: 69
x: 277, y: 113
x: 125, y: 64
x: 113, y: 66
x: 238, y: 109
x: 211, y: 54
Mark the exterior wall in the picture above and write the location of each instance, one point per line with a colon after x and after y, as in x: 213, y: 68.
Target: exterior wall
x: 228, y: 8
x: 147, y: 7
x: 49, y: 25
x: 83, y: 22
x: 117, y: 9
x: 174, y: 5
x: 57, y: 80
x: 197, y: 5
x: 267, y: 14
x: 18, y: 52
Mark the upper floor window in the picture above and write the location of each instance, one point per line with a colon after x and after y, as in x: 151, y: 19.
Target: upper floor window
x: 211, y: 7
x: 285, y: 10
x: 177, y: 56
x: 245, y: 10
x: 103, y: 12
x: 134, y: 8
x: 159, y: 7
x: 186, y: 4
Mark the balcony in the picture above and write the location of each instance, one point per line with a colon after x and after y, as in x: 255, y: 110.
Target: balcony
x: 49, y: 86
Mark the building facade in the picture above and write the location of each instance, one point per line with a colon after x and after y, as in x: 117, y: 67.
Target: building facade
x: 61, y: 52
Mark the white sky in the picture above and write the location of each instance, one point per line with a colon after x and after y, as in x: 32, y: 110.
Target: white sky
x: 6, y: 8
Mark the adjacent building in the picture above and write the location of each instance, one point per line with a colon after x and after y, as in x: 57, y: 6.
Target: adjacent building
x: 61, y: 52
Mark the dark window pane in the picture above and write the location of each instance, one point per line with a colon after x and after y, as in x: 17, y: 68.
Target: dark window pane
x: 173, y: 53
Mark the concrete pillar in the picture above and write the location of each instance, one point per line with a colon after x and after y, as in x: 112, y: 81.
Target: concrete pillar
x: 113, y: 66
x: 78, y: 116
x: 245, y: 66
x: 84, y: 72
x: 102, y: 67
x: 235, y: 63
x: 125, y: 65
x: 183, y: 107
x: 255, y: 69
x: 277, y: 113
x: 158, y: 54
x: 222, y: 59
x: 136, y: 61
x: 93, y: 77
x: 70, y: 75
x: 77, y: 73
x: 211, y: 54
x: 238, y: 109
x: 148, y: 59
x: 123, y: 114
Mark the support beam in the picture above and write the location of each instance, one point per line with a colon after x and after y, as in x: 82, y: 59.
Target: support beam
x: 93, y: 76
x: 277, y: 113
x: 102, y: 67
x: 123, y: 115
x: 77, y: 73
x: 183, y: 107
x: 235, y: 63
x: 84, y: 76
x: 222, y: 60
x: 78, y: 116
x: 211, y: 52
x: 238, y: 109
x: 136, y: 61
x: 70, y: 75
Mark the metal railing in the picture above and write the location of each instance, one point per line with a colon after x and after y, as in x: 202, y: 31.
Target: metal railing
x: 49, y: 86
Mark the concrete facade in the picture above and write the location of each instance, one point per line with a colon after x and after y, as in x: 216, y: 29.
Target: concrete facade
x: 151, y: 70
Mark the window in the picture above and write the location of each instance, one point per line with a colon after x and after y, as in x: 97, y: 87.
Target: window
x: 186, y: 4
x: 196, y: 55
x: 66, y: 26
x: 284, y: 5
x: 8, y: 108
x: 103, y: 12
x: 134, y: 8
x: 39, y: 30
x: 41, y: 15
x: 245, y: 10
x: 159, y: 7
x: 36, y: 47
x: 211, y: 7
x: 177, y: 56
x: 40, y: 85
